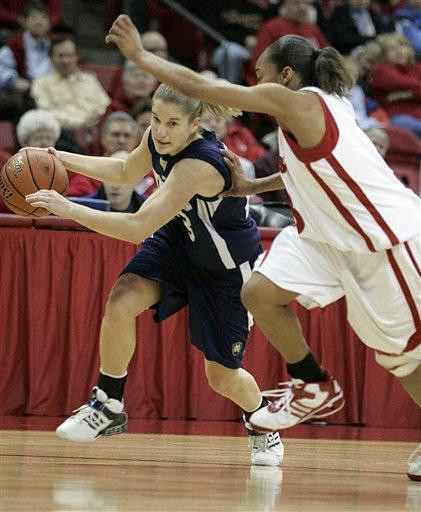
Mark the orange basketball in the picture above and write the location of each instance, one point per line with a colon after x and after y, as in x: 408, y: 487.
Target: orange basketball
x: 26, y: 172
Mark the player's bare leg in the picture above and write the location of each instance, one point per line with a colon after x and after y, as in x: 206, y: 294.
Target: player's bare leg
x: 311, y: 393
x: 412, y: 385
x: 239, y: 386
x: 103, y: 414
x: 269, y: 305
x: 130, y: 296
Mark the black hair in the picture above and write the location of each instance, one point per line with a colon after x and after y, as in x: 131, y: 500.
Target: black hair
x: 58, y: 40
x: 35, y: 5
x: 324, y: 68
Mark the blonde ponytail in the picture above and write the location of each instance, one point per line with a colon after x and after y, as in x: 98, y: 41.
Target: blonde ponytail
x: 194, y: 108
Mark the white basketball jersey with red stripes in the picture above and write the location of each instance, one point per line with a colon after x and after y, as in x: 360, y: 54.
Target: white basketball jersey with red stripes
x: 342, y: 191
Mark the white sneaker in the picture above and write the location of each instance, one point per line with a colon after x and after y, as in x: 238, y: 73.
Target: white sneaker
x: 266, y: 449
x: 100, y: 416
x: 297, y: 402
x: 414, y: 465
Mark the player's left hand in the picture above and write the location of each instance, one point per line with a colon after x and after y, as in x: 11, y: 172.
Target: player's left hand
x: 51, y: 201
x: 125, y: 35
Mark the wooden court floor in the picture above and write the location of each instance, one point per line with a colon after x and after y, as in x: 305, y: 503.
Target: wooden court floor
x: 194, y: 473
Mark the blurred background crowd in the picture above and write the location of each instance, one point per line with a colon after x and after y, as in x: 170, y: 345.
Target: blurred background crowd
x: 61, y: 86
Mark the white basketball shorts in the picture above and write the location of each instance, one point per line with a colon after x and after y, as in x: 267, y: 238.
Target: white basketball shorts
x: 382, y: 289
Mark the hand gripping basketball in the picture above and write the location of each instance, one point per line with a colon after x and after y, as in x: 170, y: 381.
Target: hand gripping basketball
x: 51, y: 201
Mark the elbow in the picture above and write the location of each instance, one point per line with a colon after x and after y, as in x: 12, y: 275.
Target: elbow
x: 136, y: 239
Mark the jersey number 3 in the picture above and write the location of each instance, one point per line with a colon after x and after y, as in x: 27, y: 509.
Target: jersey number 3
x: 188, y: 226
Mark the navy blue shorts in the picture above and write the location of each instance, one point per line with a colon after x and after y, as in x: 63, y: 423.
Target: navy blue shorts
x: 218, y: 322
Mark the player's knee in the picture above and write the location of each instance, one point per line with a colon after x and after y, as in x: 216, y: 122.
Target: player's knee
x: 399, y: 365
x: 116, y: 310
x: 251, y: 296
x: 119, y: 306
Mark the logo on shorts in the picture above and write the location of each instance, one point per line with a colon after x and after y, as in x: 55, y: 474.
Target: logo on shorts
x: 236, y: 348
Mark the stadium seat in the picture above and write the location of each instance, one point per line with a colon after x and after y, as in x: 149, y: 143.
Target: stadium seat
x: 7, y: 137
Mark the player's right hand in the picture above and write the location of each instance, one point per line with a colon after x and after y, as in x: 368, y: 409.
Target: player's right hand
x: 241, y: 185
x: 125, y: 35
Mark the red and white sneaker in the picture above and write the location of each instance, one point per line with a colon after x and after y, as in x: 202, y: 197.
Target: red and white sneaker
x: 298, y: 401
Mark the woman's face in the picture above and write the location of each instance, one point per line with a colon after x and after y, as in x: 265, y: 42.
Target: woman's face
x: 171, y: 128
x: 397, y: 53
x: 266, y: 71
x: 42, y: 138
x: 118, y: 195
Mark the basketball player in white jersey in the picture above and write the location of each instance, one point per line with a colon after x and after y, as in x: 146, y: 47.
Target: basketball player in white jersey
x: 357, y: 226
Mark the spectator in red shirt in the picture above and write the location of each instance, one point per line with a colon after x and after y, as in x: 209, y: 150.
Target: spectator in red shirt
x: 396, y: 82
x: 236, y: 137
x: 39, y: 128
x: 296, y: 19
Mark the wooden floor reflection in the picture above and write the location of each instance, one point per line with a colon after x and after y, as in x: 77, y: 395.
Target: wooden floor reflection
x: 158, y: 472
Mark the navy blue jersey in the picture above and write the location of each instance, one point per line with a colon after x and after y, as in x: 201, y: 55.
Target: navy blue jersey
x: 216, y: 232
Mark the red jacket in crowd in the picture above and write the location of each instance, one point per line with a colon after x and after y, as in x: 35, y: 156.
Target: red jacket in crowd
x: 242, y: 142
x: 277, y: 27
x: 398, y: 88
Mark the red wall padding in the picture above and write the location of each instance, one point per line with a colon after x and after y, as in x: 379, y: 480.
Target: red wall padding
x: 53, y: 289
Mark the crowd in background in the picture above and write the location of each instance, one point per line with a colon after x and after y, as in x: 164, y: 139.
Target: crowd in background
x: 54, y: 99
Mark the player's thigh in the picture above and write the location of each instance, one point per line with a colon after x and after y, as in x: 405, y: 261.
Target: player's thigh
x: 132, y: 294
x: 260, y: 291
x: 295, y: 267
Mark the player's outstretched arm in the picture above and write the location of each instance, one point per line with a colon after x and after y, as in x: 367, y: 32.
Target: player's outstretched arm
x: 183, y: 183
x: 269, y: 98
x: 111, y: 170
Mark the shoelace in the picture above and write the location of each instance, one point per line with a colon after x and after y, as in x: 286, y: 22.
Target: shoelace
x: 264, y: 441
x: 85, y: 410
x: 80, y: 414
x: 283, y: 396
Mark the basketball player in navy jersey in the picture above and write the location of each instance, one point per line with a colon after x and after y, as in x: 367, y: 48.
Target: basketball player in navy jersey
x: 198, y: 249
x: 357, y: 229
